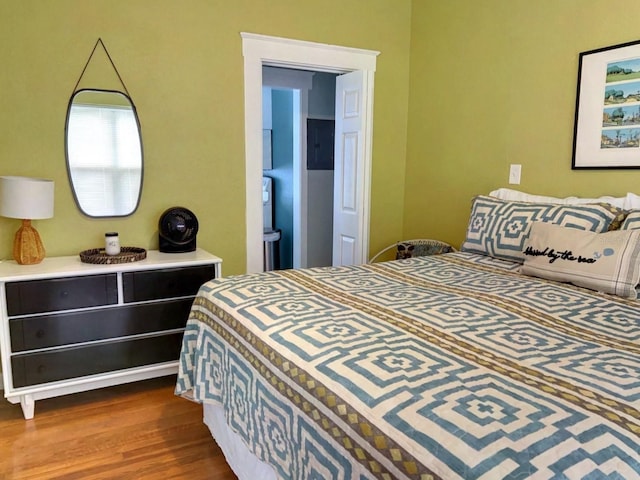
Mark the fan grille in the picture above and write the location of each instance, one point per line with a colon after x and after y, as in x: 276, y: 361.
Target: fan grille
x: 178, y: 225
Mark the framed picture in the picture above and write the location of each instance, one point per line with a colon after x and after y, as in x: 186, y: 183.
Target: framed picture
x: 607, y: 124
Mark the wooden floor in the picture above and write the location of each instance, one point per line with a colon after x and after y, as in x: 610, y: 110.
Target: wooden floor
x: 134, y: 431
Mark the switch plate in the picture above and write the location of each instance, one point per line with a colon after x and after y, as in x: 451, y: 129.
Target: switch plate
x: 514, y: 174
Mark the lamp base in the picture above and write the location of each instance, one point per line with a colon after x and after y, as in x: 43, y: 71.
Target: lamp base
x: 27, y: 245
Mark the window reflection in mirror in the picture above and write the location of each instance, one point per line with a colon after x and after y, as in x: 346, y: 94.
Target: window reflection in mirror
x: 104, y: 153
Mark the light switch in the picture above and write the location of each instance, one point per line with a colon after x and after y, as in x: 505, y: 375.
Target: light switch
x: 514, y: 174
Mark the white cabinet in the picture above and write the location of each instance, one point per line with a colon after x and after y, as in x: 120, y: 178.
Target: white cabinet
x: 68, y: 326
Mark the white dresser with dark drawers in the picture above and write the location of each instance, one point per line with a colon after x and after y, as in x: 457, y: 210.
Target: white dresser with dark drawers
x: 68, y: 326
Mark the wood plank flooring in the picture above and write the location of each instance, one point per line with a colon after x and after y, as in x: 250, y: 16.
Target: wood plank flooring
x: 138, y: 431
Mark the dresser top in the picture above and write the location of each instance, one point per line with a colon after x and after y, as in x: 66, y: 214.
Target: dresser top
x: 71, y: 265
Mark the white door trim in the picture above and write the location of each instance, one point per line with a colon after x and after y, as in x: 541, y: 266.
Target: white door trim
x: 259, y: 50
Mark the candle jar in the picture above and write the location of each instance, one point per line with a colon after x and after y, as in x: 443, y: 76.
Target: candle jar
x: 111, y: 243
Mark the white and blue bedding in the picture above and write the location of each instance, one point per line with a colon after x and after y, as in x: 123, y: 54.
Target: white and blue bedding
x: 450, y: 366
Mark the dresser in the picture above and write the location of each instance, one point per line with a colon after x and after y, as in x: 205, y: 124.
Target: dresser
x: 68, y: 326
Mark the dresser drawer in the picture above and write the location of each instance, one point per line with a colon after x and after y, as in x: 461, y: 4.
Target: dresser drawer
x: 42, y: 331
x: 37, y: 296
x: 174, y: 282
x: 51, y: 366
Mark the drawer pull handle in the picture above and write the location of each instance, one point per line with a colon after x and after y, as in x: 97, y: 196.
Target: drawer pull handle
x: 41, y: 369
x: 64, y: 294
x: 40, y: 333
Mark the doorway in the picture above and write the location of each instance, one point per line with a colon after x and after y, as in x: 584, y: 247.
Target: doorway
x: 298, y: 110
x: 260, y: 50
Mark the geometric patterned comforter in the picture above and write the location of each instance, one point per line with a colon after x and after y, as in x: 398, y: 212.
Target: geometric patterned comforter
x: 450, y: 366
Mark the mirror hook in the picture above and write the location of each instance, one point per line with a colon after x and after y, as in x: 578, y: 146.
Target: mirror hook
x: 101, y: 43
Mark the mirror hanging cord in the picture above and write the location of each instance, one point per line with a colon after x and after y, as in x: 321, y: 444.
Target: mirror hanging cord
x: 99, y: 42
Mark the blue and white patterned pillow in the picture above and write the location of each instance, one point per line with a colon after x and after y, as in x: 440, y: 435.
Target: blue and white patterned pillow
x: 500, y: 228
x: 631, y: 221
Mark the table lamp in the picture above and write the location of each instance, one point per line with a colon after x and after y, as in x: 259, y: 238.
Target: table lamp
x: 27, y: 199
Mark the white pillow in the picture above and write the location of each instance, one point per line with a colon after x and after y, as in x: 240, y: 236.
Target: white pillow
x: 509, y: 194
x: 631, y: 201
x: 607, y: 262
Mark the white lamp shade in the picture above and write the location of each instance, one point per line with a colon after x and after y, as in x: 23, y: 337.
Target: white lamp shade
x: 26, y: 198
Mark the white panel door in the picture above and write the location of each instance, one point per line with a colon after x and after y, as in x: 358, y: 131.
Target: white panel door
x: 349, y: 174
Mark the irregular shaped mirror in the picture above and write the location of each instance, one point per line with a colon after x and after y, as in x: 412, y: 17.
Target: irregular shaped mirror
x: 104, y: 153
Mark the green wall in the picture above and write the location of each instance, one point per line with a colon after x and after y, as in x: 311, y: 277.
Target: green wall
x: 462, y: 90
x: 182, y: 64
x: 493, y: 82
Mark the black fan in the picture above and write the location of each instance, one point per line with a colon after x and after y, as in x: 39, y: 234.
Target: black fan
x: 177, y: 229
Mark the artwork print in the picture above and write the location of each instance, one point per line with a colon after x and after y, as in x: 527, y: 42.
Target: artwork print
x: 621, y: 114
x: 607, y: 124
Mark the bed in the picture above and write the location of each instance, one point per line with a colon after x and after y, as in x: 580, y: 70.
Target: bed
x: 449, y: 366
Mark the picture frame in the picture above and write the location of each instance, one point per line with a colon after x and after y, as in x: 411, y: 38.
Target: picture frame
x: 607, y: 118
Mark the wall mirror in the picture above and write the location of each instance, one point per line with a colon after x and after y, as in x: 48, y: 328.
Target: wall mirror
x: 103, y: 147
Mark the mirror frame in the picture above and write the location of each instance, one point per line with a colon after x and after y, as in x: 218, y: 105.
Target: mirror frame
x: 66, y: 151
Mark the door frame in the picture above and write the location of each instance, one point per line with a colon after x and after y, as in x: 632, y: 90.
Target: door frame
x: 259, y: 50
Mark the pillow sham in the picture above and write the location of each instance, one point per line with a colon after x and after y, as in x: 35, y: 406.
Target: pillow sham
x: 607, y: 262
x: 631, y: 201
x: 516, y: 195
x: 499, y: 228
x: 631, y: 221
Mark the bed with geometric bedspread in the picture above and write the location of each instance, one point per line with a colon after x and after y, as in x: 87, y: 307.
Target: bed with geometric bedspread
x: 451, y: 366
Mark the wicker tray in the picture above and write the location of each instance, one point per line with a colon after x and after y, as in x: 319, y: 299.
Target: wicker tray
x: 126, y: 255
